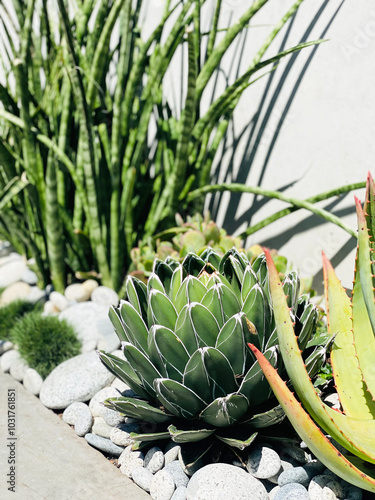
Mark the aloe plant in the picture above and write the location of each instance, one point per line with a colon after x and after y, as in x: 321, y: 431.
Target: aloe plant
x: 184, y: 339
x: 351, y: 325
x: 79, y: 184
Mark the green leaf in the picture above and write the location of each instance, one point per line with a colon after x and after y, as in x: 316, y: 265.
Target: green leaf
x: 183, y: 436
x: 267, y: 418
x: 222, y: 302
x: 117, y: 323
x: 167, y: 352
x: 176, y: 281
x: 136, y: 292
x: 310, y: 432
x: 150, y: 436
x: 226, y: 411
x: 238, y: 443
x: 143, y: 367
x: 196, y: 327
x: 191, y: 290
x: 232, y: 341
x: 154, y: 283
x: 254, y: 385
x: 161, y: 311
x: 123, y: 370
x: 258, y: 312
x: 136, y: 408
x: 209, y: 374
x: 178, y: 399
x: 135, y: 327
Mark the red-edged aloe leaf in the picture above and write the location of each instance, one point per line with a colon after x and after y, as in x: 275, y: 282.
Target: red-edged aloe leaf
x: 310, y: 432
x: 355, y: 399
x: 364, y: 341
x: 369, y: 207
x: 343, y: 429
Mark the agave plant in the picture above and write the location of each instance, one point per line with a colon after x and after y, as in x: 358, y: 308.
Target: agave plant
x: 351, y: 325
x: 184, y: 338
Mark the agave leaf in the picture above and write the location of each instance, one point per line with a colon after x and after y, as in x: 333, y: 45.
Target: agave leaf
x: 209, y: 374
x: 209, y: 255
x: 308, y: 321
x: 149, y: 436
x: 316, y: 441
x: 196, y: 327
x: 345, y: 430
x: 233, y: 268
x: 291, y: 289
x: 254, y: 385
x: 117, y: 323
x: 167, y: 352
x: 161, y: 311
x: 192, y: 453
x: 257, y: 310
x: 193, y: 264
x: 135, y: 327
x: 178, y: 399
x: 143, y: 367
x: 136, y: 408
x: 222, y: 302
x: 238, y: 443
x: 191, y: 290
x: 232, y: 341
x: 225, y: 411
x: 154, y: 283
x: 122, y: 369
x: 267, y: 418
x: 136, y: 292
x: 165, y: 273
x: 176, y: 281
x: 364, y: 306
x: 249, y: 280
x: 182, y: 436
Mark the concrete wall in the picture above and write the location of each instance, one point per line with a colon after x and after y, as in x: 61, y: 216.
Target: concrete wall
x: 306, y: 128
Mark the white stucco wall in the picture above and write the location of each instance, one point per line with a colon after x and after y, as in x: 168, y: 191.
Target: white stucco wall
x: 315, y: 132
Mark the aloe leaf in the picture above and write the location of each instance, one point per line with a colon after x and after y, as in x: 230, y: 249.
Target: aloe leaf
x: 136, y: 408
x: 355, y: 399
x: 363, y: 295
x: 225, y: 411
x: 369, y: 207
x: 167, y: 352
x: 343, y: 429
x: 222, y: 302
x: 142, y: 366
x: 161, y: 311
x: 177, y: 398
x: 182, y: 436
x: 209, y: 374
x: 240, y: 444
x: 135, y: 327
x: 316, y: 441
x: 123, y: 370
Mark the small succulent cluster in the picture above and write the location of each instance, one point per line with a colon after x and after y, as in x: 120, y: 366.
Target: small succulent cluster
x: 184, y: 338
x: 351, y: 326
x: 193, y: 236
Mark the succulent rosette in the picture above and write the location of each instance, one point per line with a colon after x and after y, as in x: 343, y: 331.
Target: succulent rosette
x: 184, y: 338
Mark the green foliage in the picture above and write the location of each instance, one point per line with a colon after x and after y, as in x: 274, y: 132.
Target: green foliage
x: 351, y: 326
x: 82, y: 177
x: 44, y: 341
x: 13, y: 312
x: 185, y: 339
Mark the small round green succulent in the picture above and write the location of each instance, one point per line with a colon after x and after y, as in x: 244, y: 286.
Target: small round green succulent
x: 184, y: 338
x: 44, y: 341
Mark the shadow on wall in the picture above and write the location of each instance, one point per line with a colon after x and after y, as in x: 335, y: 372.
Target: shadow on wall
x: 258, y: 136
